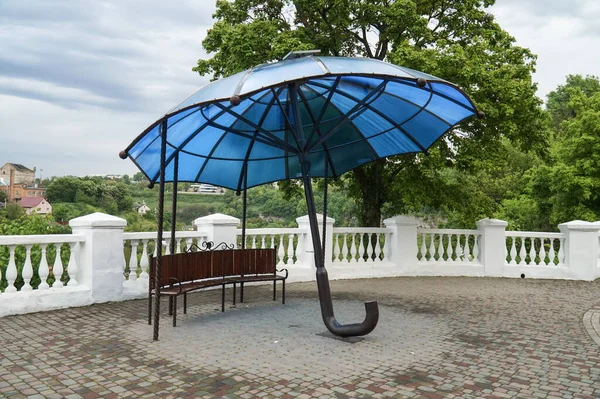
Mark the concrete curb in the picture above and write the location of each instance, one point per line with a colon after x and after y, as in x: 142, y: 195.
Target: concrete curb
x: 591, y: 322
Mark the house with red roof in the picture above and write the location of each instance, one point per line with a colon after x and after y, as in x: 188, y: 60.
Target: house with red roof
x: 35, y: 205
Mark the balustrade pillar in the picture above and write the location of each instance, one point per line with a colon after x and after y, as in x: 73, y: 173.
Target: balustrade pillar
x: 492, y: 248
x: 219, y: 228
x: 403, y: 242
x: 101, y: 261
x: 308, y: 257
x: 581, y: 249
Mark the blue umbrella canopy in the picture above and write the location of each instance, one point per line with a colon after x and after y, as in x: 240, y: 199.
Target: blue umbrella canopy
x: 353, y: 111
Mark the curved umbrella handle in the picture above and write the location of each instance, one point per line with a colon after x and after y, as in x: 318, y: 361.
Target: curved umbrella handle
x: 348, y: 330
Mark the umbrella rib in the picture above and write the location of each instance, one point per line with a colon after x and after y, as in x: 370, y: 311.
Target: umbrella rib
x: 263, y: 131
x: 178, y: 148
x: 347, y: 118
x: 327, y: 101
x: 381, y: 114
x: 356, y: 141
x: 260, y: 123
x: 318, y: 130
x: 287, y: 118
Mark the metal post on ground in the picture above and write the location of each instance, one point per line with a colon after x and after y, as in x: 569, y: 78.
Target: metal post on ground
x: 159, y: 234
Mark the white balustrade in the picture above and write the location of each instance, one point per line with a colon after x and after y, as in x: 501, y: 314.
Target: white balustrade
x: 287, y: 248
x: 534, y: 249
x: 448, y: 246
x: 139, y: 261
x: 34, y: 261
x: 361, y: 244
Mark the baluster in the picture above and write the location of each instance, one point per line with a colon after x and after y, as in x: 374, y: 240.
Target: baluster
x: 466, y: 250
x: 361, y: 248
x: 561, y: 253
x: 336, y: 247
x: 72, y: 267
x: 280, y: 251
x: 513, y: 251
x: 551, y: 253
x: 369, y: 238
x: 476, y: 249
x: 263, y: 244
x: 353, y: 249
x: 27, y: 272
x: 386, y: 247
x: 440, y: 248
x: 167, y: 242
x: 144, y: 259
x: 345, y: 248
x: 133, y: 261
x: 431, y: 247
x: 522, y: 253
x: 423, y: 249
x: 178, y: 246
x: 532, y: 252
x: 300, y: 248
x: 450, y: 249
x: 290, y: 250
x: 542, y: 252
x: 189, y: 242
x: 272, y: 241
x: 155, y: 248
x: 377, y: 247
x: 43, y: 269
x: 253, y: 242
x: 57, y: 268
x: 11, y: 270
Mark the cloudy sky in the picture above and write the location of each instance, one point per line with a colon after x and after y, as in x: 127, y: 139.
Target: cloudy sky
x: 80, y: 79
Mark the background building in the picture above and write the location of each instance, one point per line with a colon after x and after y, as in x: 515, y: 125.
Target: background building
x: 18, y: 182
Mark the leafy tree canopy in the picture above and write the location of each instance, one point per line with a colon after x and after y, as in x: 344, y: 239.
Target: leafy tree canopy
x: 454, y: 39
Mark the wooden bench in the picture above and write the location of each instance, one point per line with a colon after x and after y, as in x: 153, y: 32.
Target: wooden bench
x: 191, y: 271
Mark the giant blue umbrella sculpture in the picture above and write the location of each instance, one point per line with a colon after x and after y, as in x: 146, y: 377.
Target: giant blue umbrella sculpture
x: 304, y: 117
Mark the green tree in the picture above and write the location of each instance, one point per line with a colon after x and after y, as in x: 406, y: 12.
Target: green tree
x: 558, y: 100
x: 3, y: 196
x: 456, y: 40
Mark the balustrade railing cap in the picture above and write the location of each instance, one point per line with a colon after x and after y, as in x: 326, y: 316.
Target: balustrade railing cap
x: 217, y: 219
x: 304, y: 219
x: 581, y: 225
x: 491, y: 222
x: 401, y: 220
x: 98, y: 219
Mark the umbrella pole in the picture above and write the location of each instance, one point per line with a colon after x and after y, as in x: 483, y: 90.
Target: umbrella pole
x: 244, y: 203
x: 174, y: 204
x: 348, y: 330
x: 372, y: 317
x: 159, y: 234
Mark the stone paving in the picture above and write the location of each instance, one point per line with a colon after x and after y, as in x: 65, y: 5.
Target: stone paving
x: 436, y: 338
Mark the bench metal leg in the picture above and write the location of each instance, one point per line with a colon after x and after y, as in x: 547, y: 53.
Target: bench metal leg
x: 174, y: 311
x: 274, y: 289
x: 149, y: 309
x: 170, y: 305
x: 283, y: 293
x: 242, y: 292
x: 223, y: 299
x: 234, y: 284
x: 185, y: 303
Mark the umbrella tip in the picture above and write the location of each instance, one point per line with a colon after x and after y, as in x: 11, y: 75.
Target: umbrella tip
x: 421, y: 82
x: 123, y: 154
x: 151, y: 185
x: 235, y: 100
x: 480, y: 115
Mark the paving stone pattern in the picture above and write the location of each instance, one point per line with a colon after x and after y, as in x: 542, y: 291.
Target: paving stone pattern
x: 437, y: 338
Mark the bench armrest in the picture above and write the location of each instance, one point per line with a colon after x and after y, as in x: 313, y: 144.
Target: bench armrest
x: 283, y: 270
x: 175, y: 282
